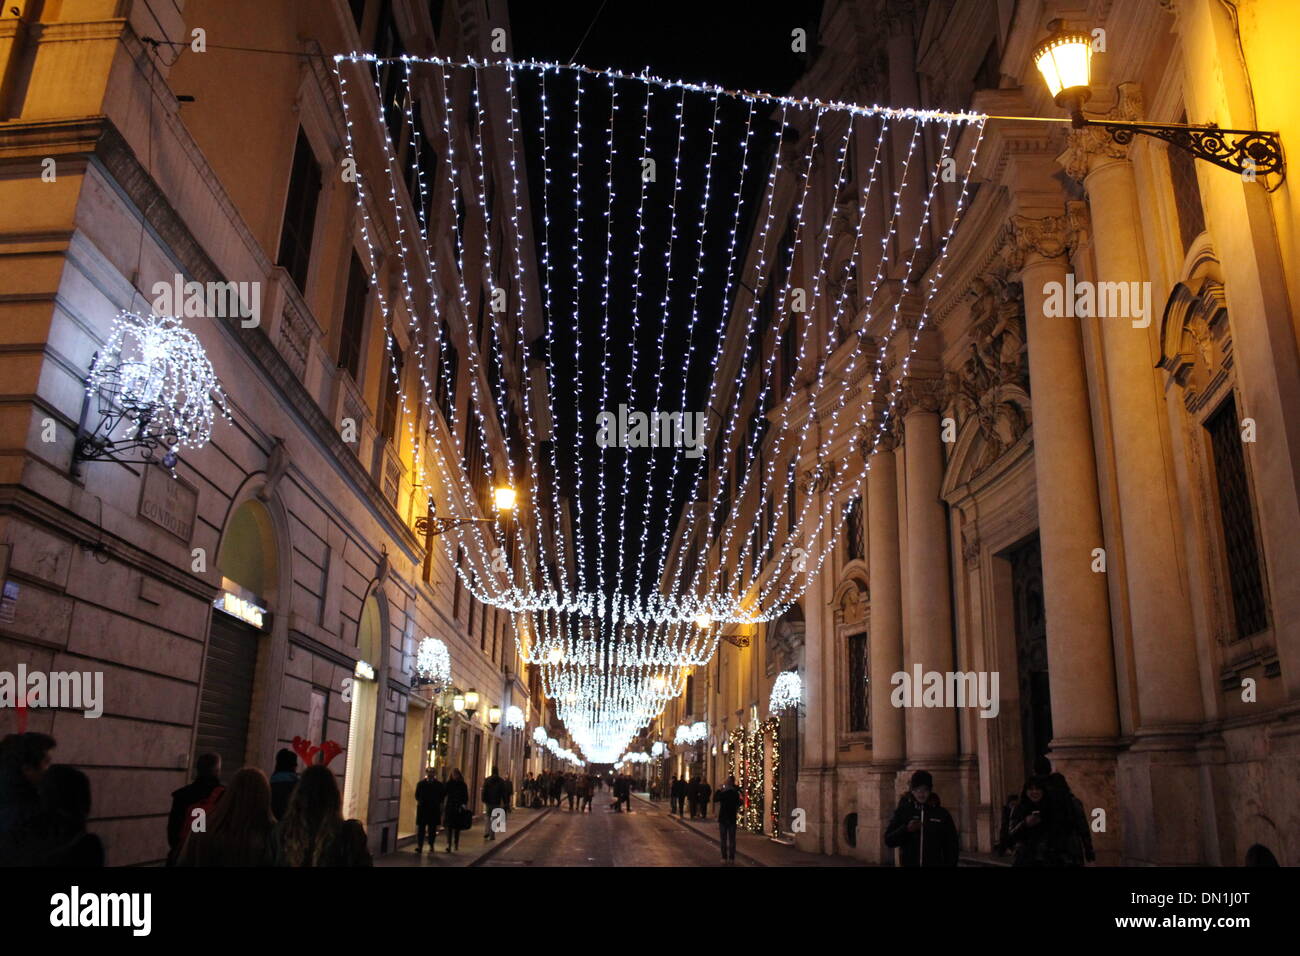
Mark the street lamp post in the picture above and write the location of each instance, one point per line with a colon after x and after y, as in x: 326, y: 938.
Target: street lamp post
x: 1065, y: 61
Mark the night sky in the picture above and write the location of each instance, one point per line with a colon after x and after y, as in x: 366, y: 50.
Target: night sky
x: 721, y: 43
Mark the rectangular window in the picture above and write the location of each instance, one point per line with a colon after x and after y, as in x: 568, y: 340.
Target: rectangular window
x: 300, y: 213
x: 1187, y: 193
x: 1237, y: 517
x: 448, y: 361
x: 354, y: 319
x: 854, y: 539
x: 358, y: 8
x: 858, y: 711
x: 455, y: 599
x: 392, y: 393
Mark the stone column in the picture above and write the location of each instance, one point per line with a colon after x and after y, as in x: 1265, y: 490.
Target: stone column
x: 1080, y: 656
x: 931, y: 731
x: 816, y: 762
x: 885, y: 647
x: 1163, y: 771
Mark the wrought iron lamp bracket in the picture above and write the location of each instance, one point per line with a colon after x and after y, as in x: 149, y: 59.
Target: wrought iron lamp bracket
x: 1236, y: 150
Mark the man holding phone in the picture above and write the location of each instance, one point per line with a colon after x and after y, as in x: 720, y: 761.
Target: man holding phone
x: 922, y: 831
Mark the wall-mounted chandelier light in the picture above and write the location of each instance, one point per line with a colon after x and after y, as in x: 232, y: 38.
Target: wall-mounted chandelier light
x: 155, y: 393
x: 433, y: 664
x: 787, y: 692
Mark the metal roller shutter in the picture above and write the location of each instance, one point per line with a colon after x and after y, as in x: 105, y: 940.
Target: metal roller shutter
x: 227, y: 692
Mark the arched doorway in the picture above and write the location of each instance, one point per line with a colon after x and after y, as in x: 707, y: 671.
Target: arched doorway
x: 240, y: 620
x: 365, y: 702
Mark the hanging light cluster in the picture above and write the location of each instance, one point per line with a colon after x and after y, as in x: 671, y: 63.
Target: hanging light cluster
x: 433, y: 663
x: 153, y: 380
x: 613, y: 637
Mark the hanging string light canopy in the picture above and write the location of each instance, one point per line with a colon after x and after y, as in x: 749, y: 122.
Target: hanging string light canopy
x: 644, y: 317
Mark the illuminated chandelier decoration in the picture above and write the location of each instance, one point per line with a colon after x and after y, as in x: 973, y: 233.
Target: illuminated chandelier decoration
x: 787, y: 692
x: 612, y: 636
x: 154, y: 388
x: 514, y: 718
x: 433, y: 663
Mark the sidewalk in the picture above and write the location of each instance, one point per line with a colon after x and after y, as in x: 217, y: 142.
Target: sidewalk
x: 754, y: 848
x: 473, y: 847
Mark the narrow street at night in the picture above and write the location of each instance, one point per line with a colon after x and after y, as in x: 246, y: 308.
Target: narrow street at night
x: 697, y: 438
x: 644, y: 837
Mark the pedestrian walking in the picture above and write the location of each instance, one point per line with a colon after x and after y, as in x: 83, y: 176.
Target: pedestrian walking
x: 728, y: 800
x: 705, y: 793
x: 456, y: 813
x: 677, y: 797
x: 429, y: 794
x: 494, y: 795
x: 1035, y: 826
x: 313, y: 831
x: 283, y: 780
x: 240, y: 831
x: 55, y: 835
x: 570, y: 789
x: 202, y: 794
x: 922, y: 832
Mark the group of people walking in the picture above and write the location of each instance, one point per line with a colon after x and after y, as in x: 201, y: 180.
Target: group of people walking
x: 696, y: 793
x: 445, y: 803
x: 550, y: 788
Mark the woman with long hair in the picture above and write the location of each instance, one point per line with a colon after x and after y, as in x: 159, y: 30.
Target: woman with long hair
x: 457, y: 802
x: 240, y: 830
x: 313, y: 831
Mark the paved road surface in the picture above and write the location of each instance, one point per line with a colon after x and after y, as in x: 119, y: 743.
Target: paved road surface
x: 604, y: 838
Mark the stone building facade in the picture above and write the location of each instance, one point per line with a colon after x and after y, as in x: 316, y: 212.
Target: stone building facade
x: 144, y: 142
x: 1102, y: 510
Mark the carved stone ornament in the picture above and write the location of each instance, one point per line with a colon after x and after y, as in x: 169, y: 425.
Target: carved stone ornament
x: 1090, y: 144
x: 1196, y: 340
x: 817, y: 479
x: 1048, y: 237
x: 970, y: 546
x: 992, y: 384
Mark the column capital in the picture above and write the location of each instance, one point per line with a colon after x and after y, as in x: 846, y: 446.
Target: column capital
x: 920, y: 394
x: 1093, y: 146
x: 1023, y: 237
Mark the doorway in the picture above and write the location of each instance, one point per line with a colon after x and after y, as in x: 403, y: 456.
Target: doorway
x: 1031, y: 650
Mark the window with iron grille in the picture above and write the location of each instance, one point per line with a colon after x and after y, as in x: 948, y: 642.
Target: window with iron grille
x: 1187, y: 193
x: 858, y: 674
x: 1237, y: 517
x: 854, y: 549
x: 300, y: 213
x: 354, y: 318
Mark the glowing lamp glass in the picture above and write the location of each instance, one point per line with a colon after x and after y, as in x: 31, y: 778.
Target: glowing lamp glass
x: 1065, y: 62
x: 504, y: 498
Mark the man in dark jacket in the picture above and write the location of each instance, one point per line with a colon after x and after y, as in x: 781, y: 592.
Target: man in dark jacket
x: 24, y: 758
x: 728, y: 800
x: 677, y: 796
x: 283, y: 781
x: 429, y: 793
x: 923, y: 834
x: 494, y: 794
x: 207, y: 777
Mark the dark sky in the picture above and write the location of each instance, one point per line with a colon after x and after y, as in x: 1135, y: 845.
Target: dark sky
x: 721, y: 43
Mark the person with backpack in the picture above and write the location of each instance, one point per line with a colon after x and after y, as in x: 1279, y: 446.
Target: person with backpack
x: 456, y: 809
x: 240, y: 831
x: 429, y: 794
x: 313, y: 832
x: 283, y: 780
x: 922, y: 832
x: 200, y: 795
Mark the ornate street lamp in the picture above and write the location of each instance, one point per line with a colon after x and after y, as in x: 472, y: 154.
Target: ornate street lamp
x: 494, y: 717
x: 458, y: 703
x: 471, y: 702
x: 503, y: 500
x: 1065, y: 61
